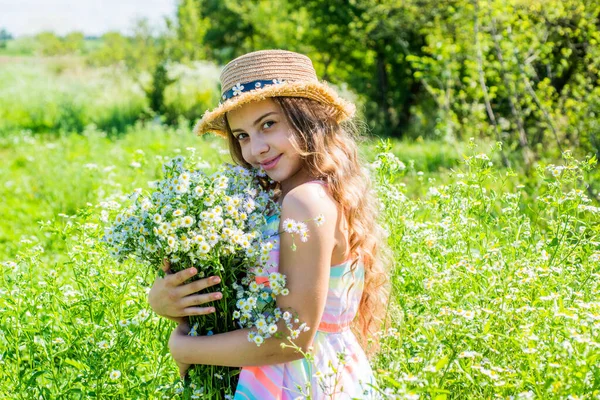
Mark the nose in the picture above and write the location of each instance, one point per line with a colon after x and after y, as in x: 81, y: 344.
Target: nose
x: 258, y: 145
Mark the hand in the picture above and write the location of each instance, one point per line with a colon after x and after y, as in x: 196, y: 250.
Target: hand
x: 181, y: 330
x: 171, y: 298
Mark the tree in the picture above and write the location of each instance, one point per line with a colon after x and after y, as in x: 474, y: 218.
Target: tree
x: 50, y: 44
x: 5, y: 36
x: 74, y: 42
x: 188, y: 31
x: 523, y: 72
x: 113, y: 49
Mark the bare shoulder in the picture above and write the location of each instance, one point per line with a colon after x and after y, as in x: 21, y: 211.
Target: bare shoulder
x: 309, y: 200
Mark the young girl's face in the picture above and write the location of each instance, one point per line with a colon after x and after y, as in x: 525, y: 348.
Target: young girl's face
x: 265, y: 138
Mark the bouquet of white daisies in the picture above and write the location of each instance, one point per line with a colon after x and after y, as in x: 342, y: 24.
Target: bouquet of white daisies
x: 215, y: 223
x: 212, y: 222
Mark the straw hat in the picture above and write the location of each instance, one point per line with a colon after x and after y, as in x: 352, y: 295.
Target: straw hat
x: 269, y: 73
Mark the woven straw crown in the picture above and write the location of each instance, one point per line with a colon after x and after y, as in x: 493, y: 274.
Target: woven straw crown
x: 267, y: 65
x: 269, y: 73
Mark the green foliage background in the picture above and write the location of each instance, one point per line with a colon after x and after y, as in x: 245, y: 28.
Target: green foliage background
x: 522, y: 72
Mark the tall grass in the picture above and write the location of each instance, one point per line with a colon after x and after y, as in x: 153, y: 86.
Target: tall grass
x: 60, y: 94
x: 488, y: 300
x: 43, y: 176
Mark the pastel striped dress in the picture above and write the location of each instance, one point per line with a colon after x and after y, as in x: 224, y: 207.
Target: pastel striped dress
x: 340, y: 369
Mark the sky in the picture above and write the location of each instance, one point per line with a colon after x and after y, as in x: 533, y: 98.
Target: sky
x: 92, y: 17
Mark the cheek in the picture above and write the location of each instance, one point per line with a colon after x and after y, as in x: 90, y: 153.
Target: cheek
x: 246, y: 155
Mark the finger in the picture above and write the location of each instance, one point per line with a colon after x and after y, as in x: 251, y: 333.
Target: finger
x: 182, y: 370
x: 166, y: 265
x: 199, y: 285
x: 199, y: 299
x: 180, y: 277
x: 198, y: 311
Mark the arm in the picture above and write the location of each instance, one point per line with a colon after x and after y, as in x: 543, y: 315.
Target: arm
x: 307, y: 272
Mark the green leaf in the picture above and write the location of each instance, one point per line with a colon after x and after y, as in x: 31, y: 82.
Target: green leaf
x: 486, y: 327
x: 391, y: 381
x: 442, y: 363
x: 80, y: 366
x: 35, y: 376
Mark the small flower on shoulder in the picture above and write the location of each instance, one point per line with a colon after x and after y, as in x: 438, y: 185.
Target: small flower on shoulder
x: 319, y: 219
x: 289, y: 225
x: 304, y: 236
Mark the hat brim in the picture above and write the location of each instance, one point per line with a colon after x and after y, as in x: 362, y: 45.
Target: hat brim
x: 340, y: 109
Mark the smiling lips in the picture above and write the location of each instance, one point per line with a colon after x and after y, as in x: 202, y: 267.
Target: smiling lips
x: 270, y: 163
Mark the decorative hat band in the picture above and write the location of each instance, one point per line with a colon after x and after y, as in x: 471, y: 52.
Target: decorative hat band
x: 240, y: 88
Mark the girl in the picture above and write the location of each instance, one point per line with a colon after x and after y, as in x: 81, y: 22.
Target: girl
x: 277, y: 116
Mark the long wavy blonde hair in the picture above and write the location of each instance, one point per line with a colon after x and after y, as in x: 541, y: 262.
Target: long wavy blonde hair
x: 330, y: 153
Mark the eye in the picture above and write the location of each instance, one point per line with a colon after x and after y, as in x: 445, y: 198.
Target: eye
x: 267, y: 124
x: 241, y: 136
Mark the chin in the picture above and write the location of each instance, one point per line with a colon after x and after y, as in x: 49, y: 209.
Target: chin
x: 276, y: 176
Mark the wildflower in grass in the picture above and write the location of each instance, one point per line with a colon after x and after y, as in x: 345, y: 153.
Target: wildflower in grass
x: 143, y: 314
x: 526, y: 395
x: 409, y: 378
x: 468, y: 354
x: 115, y: 374
x: 430, y: 368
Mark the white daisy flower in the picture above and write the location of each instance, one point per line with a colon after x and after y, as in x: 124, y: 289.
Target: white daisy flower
x: 289, y: 225
x: 304, y: 236
x: 319, y: 219
x: 188, y: 221
x: 115, y: 374
x: 198, y: 191
x: 258, y: 340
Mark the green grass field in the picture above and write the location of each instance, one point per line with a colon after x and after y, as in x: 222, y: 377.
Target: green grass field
x: 495, y: 276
